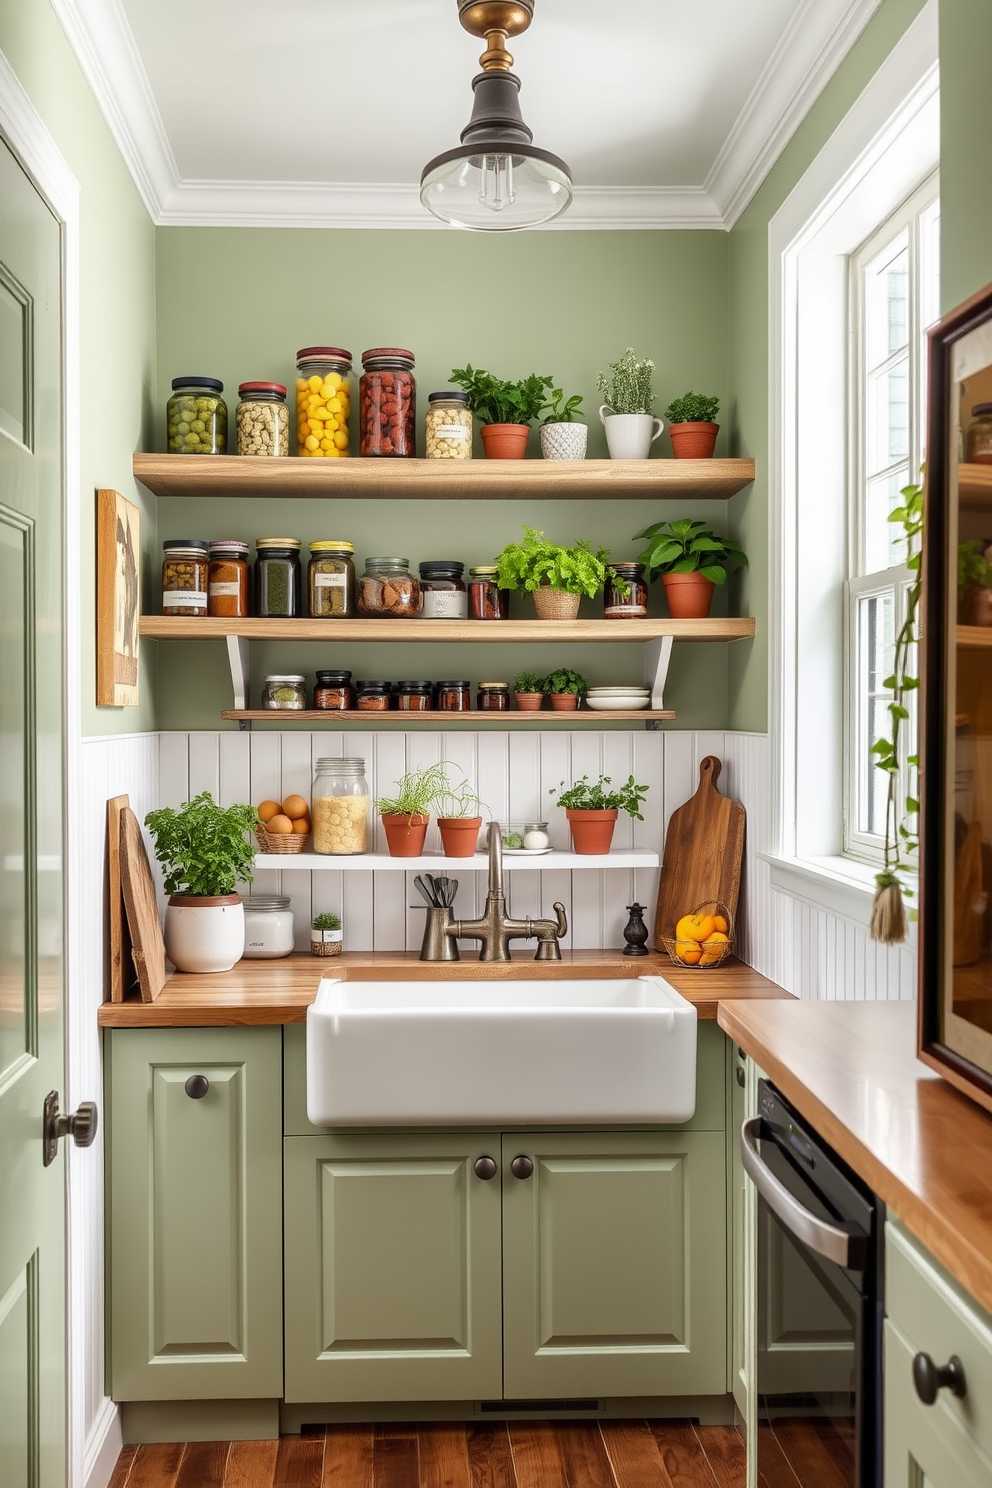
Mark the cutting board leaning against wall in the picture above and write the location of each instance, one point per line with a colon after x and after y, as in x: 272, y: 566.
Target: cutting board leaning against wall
x: 704, y: 846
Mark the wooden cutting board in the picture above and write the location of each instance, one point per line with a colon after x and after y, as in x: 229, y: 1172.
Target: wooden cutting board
x: 148, y: 947
x: 703, y: 850
x: 122, y: 972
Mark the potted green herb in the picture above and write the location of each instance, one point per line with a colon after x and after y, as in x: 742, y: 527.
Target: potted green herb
x: 563, y: 437
x: 556, y: 576
x: 528, y: 689
x: 205, y: 853
x: 406, y: 814
x: 974, y: 584
x: 690, y: 560
x: 326, y: 935
x: 458, y: 810
x: 565, y: 688
x: 626, y: 414
x: 592, y: 810
x: 692, y: 426
x: 505, y: 410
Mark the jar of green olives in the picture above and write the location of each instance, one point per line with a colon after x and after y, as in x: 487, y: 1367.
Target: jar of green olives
x: 196, y: 417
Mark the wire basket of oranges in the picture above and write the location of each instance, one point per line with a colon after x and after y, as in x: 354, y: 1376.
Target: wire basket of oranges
x: 702, y: 939
x: 284, y: 826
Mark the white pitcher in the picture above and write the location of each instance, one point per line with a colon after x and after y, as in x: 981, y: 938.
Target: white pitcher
x: 629, y: 435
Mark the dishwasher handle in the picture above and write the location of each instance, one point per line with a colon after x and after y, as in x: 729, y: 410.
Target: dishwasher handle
x: 832, y: 1242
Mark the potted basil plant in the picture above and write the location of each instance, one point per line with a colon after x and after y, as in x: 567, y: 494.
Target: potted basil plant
x: 504, y: 409
x: 592, y: 810
x: 692, y: 426
x: 690, y: 560
x: 626, y: 413
x: 563, y: 437
x: 556, y: 575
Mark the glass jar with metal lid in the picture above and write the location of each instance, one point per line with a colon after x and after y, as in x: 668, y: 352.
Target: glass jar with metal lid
x: 387, y: 589
x: 268, y: 927
x: 978, y: 440
x: 285, y: 690
x: 373, y: 695
x: 453, y: 696
x: 229, y: 578
x: 184, y: 576
x: 448, y: 427
x: 196, y: 417
x: 414, y: 697
x: 334, y: 692
x: 493, y: 697
x: 340, y: 807
x: 486, y: 600
x: 388, y: 402
x: 445, y: 595
x: 625, y: 597
x: 277, y: 577
x: 262, y: 419
x: 323, y: 402
x: 331, y: 580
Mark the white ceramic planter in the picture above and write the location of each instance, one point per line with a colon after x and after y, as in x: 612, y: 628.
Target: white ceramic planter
x: 628, y: 435
x: 204, y: 934
x: 564, y: 441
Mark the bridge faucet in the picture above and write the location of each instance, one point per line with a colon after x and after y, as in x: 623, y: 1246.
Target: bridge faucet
x: 494, y: 929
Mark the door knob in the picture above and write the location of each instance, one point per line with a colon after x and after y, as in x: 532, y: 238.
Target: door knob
x: 929, y: 1378
x: 80, y: 1125
x: 521, y: 1167
x: 485, y: 1167
x: 197, y: 1086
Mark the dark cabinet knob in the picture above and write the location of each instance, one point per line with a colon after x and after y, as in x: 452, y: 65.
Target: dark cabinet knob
x: 197, y: 1086
x: 521, y: 1167
x: 930, y: 1378
x: 485, y: 1167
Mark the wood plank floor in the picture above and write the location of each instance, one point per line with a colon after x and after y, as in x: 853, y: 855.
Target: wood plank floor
x: 542, y: 1454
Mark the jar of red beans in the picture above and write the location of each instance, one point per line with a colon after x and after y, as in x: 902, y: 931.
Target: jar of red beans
x: 388, y: 402
x: 625, y: 597
x: 334, y: 692
x: 414, y: 696
x: 486, y: 600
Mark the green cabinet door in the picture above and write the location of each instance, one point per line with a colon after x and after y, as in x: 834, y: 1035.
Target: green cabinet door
x: 615, y: 1264
x: 925, y: 1446
x: 392, y: 1268
x: 195, y: 1188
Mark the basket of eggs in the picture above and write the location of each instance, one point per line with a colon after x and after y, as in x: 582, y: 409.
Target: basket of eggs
x: 283, y: 827
x: 702, y: 939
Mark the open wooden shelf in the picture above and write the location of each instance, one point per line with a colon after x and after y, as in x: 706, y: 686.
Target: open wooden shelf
x: 265, y: 477
x: 975, y: 487
x: 974, y: 637
x: 437, y: 718
x: 206, y: 628
x: 479, y: 863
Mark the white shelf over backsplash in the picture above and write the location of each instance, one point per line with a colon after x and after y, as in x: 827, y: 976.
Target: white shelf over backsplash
x: 369, y: 862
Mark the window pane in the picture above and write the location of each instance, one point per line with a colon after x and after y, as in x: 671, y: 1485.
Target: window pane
x: 888, y: 416
x: 930, y: 265
x: 887, y: 301
x: 885, y: 546
x: 876, y: 648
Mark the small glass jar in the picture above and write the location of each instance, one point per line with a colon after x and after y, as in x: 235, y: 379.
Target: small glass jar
x: 228, y: 579
x: 978, y: 440
x: 493, y: 697
x: 630, y: 606
x: 414, y: 697
x: 486, y: 600
x: 285, y: 690
x: 196, y: 417
x: 445, y: 595
x: 340, y: 807
x: 453, y: 697
x: 331, y: 580
x: 268, y: 927
x: 448, y: 427
x: 323, y: 402
x: 373, y: 695
x: 334, y: 692
x: 536, y: 837
x: 388, y: 402
x: 387, y: 589
x: 277, y: 577
x: 184, y: 576
x: 262, y: 419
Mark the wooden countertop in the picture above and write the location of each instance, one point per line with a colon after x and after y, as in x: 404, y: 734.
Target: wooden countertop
x: 267, y: 992
x: 851, y: 1069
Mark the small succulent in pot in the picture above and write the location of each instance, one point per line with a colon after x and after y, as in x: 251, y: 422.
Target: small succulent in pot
x: 690, y: 559
x: 692, y: 425
x: 565, y: 688
x: 528, y: 689
x: 326, y: 935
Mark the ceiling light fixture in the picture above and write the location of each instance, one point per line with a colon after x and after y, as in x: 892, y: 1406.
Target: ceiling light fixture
x: 497, y: 180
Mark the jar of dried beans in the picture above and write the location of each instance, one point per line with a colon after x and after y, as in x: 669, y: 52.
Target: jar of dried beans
x: 228, y: 576
x: 340, y: 807
x: 448, y: 427
x: 388, y: 589
x: 331, y: 580
x: 262, y: 419
x: 486, y: 600
x: 388, y: 399
x: 323, y: 401
x: 184, y: 576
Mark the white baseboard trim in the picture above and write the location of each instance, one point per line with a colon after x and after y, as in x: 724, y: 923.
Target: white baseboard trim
x: 103, y: 1446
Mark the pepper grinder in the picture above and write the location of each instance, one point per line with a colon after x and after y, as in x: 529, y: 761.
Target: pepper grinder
x: 635, y: 931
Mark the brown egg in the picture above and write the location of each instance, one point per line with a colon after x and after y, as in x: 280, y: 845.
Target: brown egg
x: 294, y: 806
x: 268, y: 810
x: 280, y: 825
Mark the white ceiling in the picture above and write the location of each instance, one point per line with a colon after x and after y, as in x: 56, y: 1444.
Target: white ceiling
x: 323, y: 112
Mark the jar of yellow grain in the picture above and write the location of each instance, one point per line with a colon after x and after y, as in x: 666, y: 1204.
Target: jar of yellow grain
x: 340, y: 807
x: 323, y: 401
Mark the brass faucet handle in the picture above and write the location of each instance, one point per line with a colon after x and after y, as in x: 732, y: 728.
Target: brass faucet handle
x: 559, y: 910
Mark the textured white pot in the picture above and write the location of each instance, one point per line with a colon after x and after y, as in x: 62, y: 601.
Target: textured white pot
x: 628, y: 435
x: 204, y: 934
x: 564, y: 441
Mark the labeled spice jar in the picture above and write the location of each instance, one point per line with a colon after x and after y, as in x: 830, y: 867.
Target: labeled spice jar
x: 493, y: 697
x: 262, y: 419
x: 334, y: 692
x: 978, y: 440
x: 453, y: 697
x: 626, y: 596
x: 448, y: 427
x: 340, y: 807
x: 373, y: 696
x: 277, y: 577
x: 228, y: 579
x: 445, y: 595
x: 285, y: 690
x: 268, y: 927
x: 387, y: 588
x: 323, y: 402
x: 184, y: 576
x: 414, y: 697
x: 486, y: 600
x: 331, y: 580
x: 388, y: 402
x: 196, y: 417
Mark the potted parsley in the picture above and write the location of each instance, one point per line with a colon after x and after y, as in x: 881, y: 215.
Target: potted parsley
x: 692, y: 426
x: 556, y: 575
x: 565, y: 688
x: 592, y: 809
x: 504, y: 409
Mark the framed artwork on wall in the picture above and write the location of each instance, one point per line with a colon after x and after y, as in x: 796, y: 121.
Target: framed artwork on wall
x: 118, y: 557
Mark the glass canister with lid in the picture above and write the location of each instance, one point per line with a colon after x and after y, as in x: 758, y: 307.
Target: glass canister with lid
x: 387, y: 589
x: 268, y: 927
x: 334, y: 692
x: 414, y: 696
x: 323, y: 402
x: 388, y: 402
x: 453, y: 696
x: 339, y: 806
x: 625, y: 596
x: 978, y: 439
x: 285, y: 690
x: 262, y: 419
x: 448, y: 426
x: 228, y: 579
x: 331, y: 580
x: 486, y: 600
x: 445, y: 595
x: 493, y: 697
x: 196, y: 417
x: 184, y: 576
x: 277, y: 577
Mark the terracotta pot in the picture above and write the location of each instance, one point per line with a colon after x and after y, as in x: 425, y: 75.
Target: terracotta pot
x: 689, y: 595
x: 405, y: 835
x: 204, y: 933
x: 459, y: 835
x: 693, y: 441
x: 529, y: 702
x: 555, y: 604
x: 978, y: 610
x: 592, y: 831
x: 564, y: 702
x: 505, y: 441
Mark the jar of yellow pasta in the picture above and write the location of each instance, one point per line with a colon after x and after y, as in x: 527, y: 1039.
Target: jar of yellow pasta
x: 323, y: 401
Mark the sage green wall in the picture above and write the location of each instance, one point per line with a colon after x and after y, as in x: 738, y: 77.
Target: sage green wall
x: 238, y: 303
x: 965, y: 140
x: 117, y: 331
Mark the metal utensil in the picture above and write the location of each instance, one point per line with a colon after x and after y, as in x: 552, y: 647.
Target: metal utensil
x: 419, y: 883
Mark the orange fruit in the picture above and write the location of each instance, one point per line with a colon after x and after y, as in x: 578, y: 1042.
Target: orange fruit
x: 688, y: 951
x: 268, y: 810
x: 301, y: 825
x: 714, y: 948
x: 720, y: 923
x: 695, y: 927
x: 279, y: 825
x: 294, y: 806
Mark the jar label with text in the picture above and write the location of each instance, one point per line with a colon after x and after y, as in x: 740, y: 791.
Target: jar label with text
x: 445, y: 604
x: 451, y: 431
x: 330, y: 581
x: 174, y: 599
x: 224, y: 586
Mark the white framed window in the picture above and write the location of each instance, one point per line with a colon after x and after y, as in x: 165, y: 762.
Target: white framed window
x: 894, y: 296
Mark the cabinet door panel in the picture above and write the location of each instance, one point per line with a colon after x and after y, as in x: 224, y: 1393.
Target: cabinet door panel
x: 195, y: 1234
x: 392, y: 1269
x: 925, y: 1446
x: 615, y: 1265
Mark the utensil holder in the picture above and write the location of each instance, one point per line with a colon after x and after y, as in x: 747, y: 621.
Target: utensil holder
x: 438, y: 945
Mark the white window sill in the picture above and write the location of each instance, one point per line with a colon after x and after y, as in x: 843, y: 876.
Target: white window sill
x: 843, y: 886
